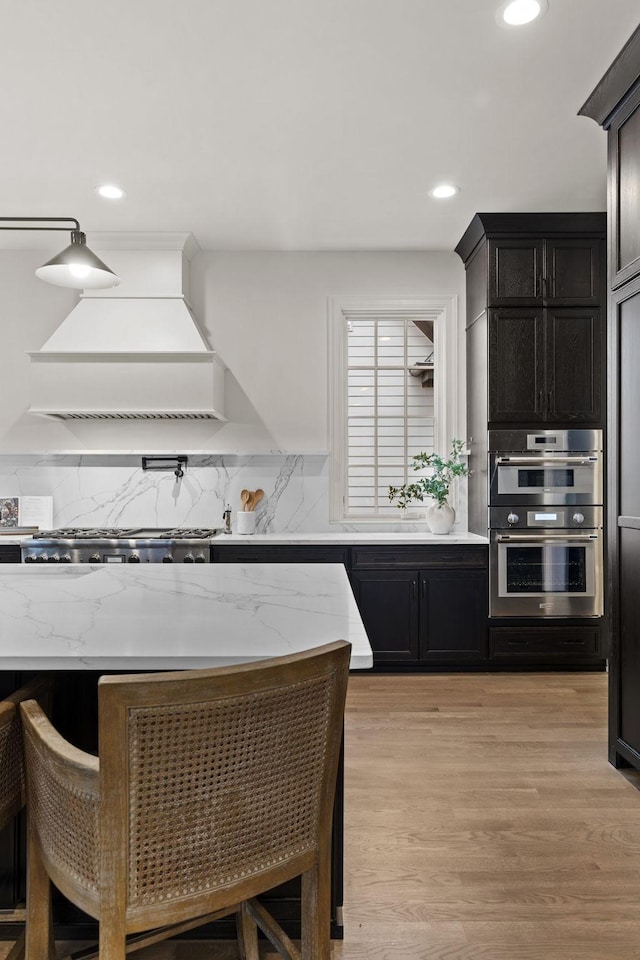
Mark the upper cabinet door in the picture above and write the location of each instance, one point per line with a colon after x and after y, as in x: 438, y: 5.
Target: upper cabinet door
x: 624, y: 192
x: 572, y: 276
x: 515, y: 272
x: 573, y: 364
x: 516, y: 366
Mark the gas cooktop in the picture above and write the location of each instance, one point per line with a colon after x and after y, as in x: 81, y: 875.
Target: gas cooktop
x: 119, y: 545
x: 128, y: 533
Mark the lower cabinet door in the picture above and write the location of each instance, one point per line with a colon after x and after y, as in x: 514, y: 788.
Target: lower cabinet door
x: 453, y: 615
x: 388, y: 604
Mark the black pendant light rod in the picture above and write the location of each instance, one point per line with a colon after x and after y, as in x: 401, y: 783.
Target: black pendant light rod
x: 38, y: 220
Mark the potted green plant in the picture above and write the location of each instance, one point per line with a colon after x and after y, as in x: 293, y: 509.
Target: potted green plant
x: 440, y: 515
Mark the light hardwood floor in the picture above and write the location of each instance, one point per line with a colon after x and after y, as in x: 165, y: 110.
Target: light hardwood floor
x: 483, y: 822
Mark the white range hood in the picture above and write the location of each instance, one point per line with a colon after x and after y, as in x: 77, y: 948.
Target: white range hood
x: 132, y: 352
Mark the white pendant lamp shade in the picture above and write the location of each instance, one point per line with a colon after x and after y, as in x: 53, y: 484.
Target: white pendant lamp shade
x: 78, y: 267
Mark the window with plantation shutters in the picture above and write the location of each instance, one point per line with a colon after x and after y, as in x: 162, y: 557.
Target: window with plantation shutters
x: 390, y: 398
x: 390, y: 407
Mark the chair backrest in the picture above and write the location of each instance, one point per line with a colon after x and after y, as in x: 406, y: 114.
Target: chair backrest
x: 12, y: 778
x: 211, y: 779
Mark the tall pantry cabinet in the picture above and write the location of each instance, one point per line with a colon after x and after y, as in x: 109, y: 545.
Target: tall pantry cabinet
x: 535, y: 341
x: 615, y: 105
x: 535, y: 328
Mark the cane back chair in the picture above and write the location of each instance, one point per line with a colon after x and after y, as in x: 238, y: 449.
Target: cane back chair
x: 12, y: 778
x: 211, y: 787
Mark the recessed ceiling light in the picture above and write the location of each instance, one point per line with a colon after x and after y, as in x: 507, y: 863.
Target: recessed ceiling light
x: 444, y: 190
x: 110, y: 191
x: 518, y: 12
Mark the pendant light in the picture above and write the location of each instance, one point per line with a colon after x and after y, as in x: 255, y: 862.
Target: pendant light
x: 76, y: 266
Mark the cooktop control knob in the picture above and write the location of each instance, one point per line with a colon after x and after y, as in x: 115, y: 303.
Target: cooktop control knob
x: 42, y: 557
x: 512, y: 519
x: 54, y: 558
x: 188, y: 558
x: 29, y: 559
x: 65, y: 558
x: 200, y: 558
x: 578, y: 518
x: 134, y: 558
x: 94, y: 558
x: 167, y: 559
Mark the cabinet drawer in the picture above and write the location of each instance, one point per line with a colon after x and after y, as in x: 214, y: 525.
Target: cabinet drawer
x: 279, y: 554
x: 10, y: 553
x: 533, y: 642
x: 403, y: 557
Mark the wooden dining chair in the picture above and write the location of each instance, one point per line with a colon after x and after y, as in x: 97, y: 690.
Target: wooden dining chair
x: 210, y: 787
x: 12, y: 776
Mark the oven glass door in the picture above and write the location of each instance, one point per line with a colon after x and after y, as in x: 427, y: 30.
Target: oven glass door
x: 552, y: 575
x: 534, y: 481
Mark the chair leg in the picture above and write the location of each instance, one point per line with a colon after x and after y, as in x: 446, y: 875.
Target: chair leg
x: 17, y: 950
x: 39, y: 927
x: 316, y: 908
x: 247, y: 934
x: 112, y: 938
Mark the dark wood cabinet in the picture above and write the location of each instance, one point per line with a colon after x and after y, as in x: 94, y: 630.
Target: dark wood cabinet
x: 549, y: 642
x: 280, y: 553
x: 561, y: 271
x: 573, y: 365
x: 418, y: 616
x: 515, y: 272
x: 516, y: 366
x: 535, y: 336
x: 388, y: 604
x: 540, y: 280
x: 545, y: 365
x: 453, y: 615
x: 10, y: 553
x: 623, y: 546
x: 615, y: 104
x: 433, y: 612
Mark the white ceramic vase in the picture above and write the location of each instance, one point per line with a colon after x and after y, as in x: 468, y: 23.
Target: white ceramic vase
x: 440, y: 519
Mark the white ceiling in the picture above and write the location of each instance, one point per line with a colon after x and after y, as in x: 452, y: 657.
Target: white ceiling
x: 299, y: 124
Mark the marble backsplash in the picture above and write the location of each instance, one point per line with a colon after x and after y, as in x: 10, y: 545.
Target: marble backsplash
x: 113, y: 490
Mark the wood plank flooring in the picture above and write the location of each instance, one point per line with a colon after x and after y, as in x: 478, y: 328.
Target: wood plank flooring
x: 483, y: 821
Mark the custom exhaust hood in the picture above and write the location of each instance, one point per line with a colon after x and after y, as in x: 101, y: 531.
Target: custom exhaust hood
x: 134, y: 352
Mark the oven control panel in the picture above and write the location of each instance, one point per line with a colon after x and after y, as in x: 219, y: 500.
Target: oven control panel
x: 565, y: 517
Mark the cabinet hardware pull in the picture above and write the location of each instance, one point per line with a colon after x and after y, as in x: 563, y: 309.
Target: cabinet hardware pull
x: 535, y: 538
x: 544, y: 461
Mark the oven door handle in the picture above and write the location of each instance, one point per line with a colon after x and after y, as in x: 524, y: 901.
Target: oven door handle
x: 547, y: 537
x: 543, y: 461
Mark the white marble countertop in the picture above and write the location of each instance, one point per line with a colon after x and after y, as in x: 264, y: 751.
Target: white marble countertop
x: 341, y: 538
x: 168, y: 617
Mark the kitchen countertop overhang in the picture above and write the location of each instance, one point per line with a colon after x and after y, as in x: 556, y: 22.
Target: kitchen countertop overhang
x: 172, y: 617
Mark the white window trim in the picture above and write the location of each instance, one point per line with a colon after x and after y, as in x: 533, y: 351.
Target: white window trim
x: 444, y: 311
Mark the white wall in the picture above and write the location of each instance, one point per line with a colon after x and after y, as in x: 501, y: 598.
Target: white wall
x: 265, y: 313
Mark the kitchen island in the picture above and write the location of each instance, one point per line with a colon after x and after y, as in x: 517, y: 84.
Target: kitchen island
x: 82, y: 620
x: 171, y: 617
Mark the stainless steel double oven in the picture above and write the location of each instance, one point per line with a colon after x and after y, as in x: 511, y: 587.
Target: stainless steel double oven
x: 545, y: 518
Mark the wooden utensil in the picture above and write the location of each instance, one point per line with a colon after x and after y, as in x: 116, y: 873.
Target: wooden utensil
x: 257, y: 497
x: 245, y: 497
